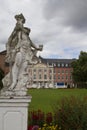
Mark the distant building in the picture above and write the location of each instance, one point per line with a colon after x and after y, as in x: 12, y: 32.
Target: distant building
x: 49, y: 73
x: 62, y: 71
x: 3, y: 65
x: 41, y: 76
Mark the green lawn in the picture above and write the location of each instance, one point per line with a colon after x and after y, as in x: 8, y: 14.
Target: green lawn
x: 44, y: 99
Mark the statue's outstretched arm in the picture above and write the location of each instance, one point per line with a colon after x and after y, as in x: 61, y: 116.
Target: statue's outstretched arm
x: 35, y: 47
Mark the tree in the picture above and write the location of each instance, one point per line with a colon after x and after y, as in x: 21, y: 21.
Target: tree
x: 80, y: 70
x: 1, y: 77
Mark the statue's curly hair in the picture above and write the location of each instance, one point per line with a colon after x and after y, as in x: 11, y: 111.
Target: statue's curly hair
x: 20, y: 16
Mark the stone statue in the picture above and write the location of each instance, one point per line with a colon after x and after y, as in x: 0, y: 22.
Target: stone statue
x: 21, y: 52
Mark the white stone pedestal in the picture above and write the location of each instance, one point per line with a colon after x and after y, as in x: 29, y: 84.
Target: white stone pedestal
x: 14, y: 112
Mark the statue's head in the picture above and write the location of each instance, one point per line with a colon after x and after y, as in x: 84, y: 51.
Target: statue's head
x: 20, y: 16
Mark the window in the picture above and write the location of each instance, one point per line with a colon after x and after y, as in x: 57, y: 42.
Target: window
x: 40, y: 76
x: 58, y: 71
x: 54, y: 64
x: 71, y: 77
x: 29, y: 70
x: 62, y: 71
x: 50, y: 77
x: 50, y: 71
x: 34, y: 70
x: 45, y: 76
x: 54, y: 77
x: 66, y: 71
x: 45, y: 70
x: 54, y: 70
x: 71, y: 71
x: 58, y: 77
x: 66, y: 65
x: 66, y: 77
x: 34, y: 76
x: 62, y: 64
x: 39, y: 70
x: 50, y: 64
x: 58, y: 64
x: 62, y: 77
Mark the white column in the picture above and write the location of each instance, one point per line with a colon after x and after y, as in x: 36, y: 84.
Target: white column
x: 14, y: 113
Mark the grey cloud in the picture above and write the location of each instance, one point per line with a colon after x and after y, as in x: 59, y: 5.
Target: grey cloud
x: 68, y: 12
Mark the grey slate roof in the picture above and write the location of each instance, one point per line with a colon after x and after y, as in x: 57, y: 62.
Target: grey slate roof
x: 55, y: 62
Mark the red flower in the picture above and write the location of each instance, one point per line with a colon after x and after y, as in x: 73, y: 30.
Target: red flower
x: 30, y: 127
x: 49, y: 118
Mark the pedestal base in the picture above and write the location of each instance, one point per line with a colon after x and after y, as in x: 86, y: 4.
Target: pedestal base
x: 14, y: 112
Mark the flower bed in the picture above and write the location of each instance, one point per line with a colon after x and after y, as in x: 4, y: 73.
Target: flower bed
x: 39, y: 120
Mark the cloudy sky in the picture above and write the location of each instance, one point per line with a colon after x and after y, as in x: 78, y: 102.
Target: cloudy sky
x: 60, y: 25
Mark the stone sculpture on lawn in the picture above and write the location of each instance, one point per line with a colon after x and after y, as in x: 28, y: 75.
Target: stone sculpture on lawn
x: 21, y: 52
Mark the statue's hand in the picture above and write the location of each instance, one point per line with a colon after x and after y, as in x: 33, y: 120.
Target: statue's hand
x: 40, y: 47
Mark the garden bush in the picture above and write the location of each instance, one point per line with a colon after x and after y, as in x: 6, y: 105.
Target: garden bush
x: 1, y: 77
x: 71, y: 113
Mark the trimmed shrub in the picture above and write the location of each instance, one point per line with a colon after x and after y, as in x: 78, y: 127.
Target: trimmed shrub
x: 71, y: 113
x: 1, y: 77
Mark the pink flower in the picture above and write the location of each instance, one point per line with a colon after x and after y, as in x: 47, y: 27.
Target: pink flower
x: 35, y: 127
